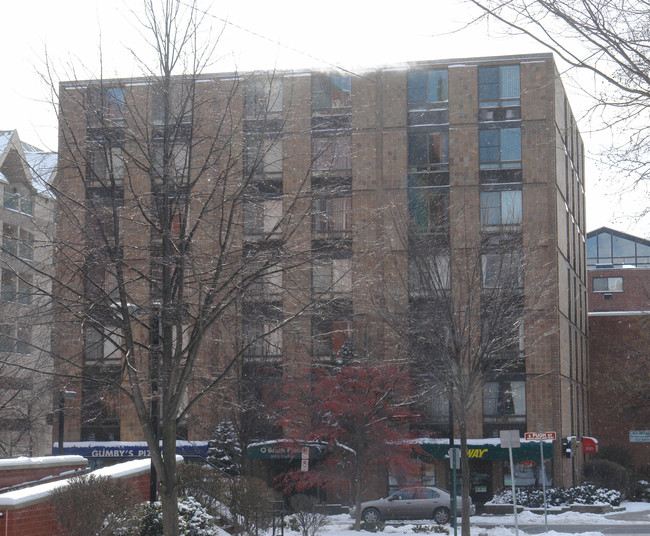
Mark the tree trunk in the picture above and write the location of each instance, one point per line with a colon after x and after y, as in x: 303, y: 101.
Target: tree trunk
x: 169, y: 482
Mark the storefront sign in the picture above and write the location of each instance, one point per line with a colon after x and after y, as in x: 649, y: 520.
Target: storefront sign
x: 589, y: 445
x: 128, y: 449
x: 532, y: 436
x: 489, y: 450
x: 282, y: 450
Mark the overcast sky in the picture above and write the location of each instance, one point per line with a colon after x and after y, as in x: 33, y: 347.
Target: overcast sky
x: 260, y: 34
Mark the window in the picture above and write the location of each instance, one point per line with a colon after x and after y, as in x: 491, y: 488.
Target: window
x: 26, y: 245
x: 330, y: 92
x: 101, y: 346
x: 428, y: 150
x: 500, y: 148
x: 331, y: 277
x: 499, y: 86
x: 267, y: 287
x: 428, y: 273
x: 180, y: 105
x: 502, y: 271
x: 608, y: 284
x: 429, y: 209
x: 106, y: 103
x: 15, y: 339
x: 105, y: 165
x: 263, y: 156
x: 504, y: 398
x: 332, y: 153
x: 171, y: 161
x: 10, y: 238
x: 16, y: 288
x: 8, y: 290
x: 261, y: 339
x: 332, y: 214
x: 500, y: 209
x: 425, y: 87
x: 11, y: 200
x: 329, y: 336
x: 262, y: 96
x: 262, y: 217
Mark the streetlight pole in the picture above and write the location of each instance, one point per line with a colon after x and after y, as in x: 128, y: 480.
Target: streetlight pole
x: 63, y: 394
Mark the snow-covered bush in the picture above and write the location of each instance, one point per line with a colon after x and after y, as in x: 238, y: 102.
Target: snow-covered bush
x: 250, y: 500
x: 193, y: 520
x: 585, y: 494
x: 224, y: 450
x: 206, y: 484
x: 640, y: 491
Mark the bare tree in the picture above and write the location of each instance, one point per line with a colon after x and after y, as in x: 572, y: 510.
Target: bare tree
x: 466, y: 312
x: 172, y: 210
x: 607, y: 39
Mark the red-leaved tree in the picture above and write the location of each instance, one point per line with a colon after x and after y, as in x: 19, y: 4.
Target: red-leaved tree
x: 358, y: 414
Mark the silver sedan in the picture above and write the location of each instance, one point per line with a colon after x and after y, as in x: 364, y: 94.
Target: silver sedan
x: 412, y: 503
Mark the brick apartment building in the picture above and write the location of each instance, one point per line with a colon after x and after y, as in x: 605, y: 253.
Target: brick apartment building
x: 26, y: 213
x: 481, y: 152
x: 619, y: 311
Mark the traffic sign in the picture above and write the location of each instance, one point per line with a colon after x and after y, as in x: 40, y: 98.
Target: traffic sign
x: 538, y: 436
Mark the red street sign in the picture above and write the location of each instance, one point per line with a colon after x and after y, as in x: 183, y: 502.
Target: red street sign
x: 539, y: 435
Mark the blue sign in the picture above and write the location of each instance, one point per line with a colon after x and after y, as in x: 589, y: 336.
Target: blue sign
x: 127, y: 449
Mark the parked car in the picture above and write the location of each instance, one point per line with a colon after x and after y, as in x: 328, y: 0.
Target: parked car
x: 412, y: 503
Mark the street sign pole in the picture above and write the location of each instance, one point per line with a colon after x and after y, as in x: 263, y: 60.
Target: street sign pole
x: 510, y: 439
x: 454, y: 459
x: 542, y: 472
x: 541, y: 436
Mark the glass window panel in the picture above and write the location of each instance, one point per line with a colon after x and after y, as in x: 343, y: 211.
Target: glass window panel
x: 509, y: 82
x: 511, y: 207
x: 488, y: 146
x: 417, y: 150
x: 622, y: 247
x: 27, y: 206
x: 416, y: 84
x: 11, y: 200
x: 592, y: 247
x: 511, y: 144
x: 438, y: 148
x: 488, y: 84
x: 604, y: 247
x: 490, y: 208
x: 320, y: 92
x: 616, y: 284
x: 342, y: 275
x: 341, y: 91
x: 438, y: 83
x: 272, y: 215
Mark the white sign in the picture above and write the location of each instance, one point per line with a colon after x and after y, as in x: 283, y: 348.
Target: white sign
x: 538, y: 436
x: 454, y: 458
x: 304, y: 465
x: 639, y: 436
x: 509, y: 438
x: 305, y: 453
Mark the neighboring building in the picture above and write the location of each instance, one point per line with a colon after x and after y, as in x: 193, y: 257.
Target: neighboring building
x: 27, y: 214
x: 619, y: 323
x: 483, y: 153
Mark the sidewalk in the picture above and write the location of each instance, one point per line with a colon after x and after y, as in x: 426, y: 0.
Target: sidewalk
x: 635, y: 515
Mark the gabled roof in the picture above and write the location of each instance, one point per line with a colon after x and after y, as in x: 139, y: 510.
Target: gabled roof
x: 620, y: 234
x: 25, y: 162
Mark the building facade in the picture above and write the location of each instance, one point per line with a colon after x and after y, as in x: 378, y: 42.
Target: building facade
x: 27, y: 215
x: 619, y: 312
x: 475, y: 158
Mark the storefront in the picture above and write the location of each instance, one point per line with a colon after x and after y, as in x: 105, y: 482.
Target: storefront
x: 489, y: 464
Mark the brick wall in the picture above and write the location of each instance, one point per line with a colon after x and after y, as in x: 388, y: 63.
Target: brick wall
x: 21, y: 470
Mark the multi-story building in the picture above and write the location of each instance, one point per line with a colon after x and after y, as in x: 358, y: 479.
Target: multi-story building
x: 476, y: 155
x: 27, y: 215
x: 619, y: 312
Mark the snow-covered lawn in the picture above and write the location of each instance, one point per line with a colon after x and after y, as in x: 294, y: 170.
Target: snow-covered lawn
x: 340, y: 525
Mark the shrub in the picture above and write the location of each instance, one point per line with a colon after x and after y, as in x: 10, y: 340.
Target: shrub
x: 605, y: 474
x: 639, y: 491
x: 586, y: 494
x: 373, y: 527
x: 206, y: 485
x: 249, y: 502
x: 431, y: 528
x: 93, y: 505
x: 193, y: 520
x: 309, y: 521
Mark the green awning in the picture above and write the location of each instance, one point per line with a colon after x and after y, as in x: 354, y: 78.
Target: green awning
x: 487, y: 450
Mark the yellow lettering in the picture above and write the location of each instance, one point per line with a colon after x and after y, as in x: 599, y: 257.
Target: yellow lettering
x: 476, y: 453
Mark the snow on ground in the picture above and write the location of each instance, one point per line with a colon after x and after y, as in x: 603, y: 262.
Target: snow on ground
x: 341, y: 525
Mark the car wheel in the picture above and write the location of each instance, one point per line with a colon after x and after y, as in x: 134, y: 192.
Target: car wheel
x: 370, y: 515
x: 441, y: 515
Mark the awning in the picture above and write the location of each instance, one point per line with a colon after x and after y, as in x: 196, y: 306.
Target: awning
x: 487, y: 449
x: 589, y: 445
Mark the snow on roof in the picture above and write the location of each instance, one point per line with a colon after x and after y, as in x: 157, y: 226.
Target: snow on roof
x: 5, y: 136
x: 43, y: 461
x: 27, y: 496
x: 42, y: 166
